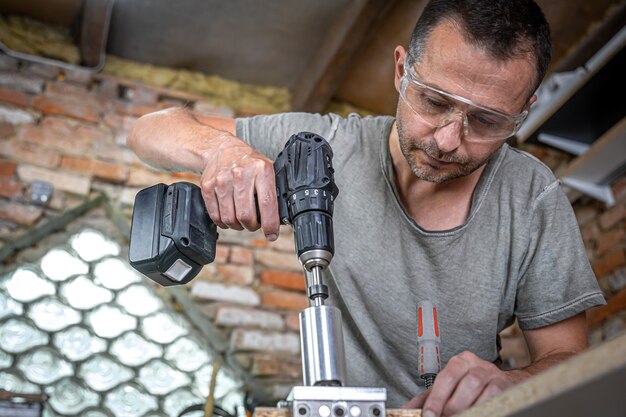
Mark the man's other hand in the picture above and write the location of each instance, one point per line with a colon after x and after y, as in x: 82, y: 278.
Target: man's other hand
x: 465, y: 381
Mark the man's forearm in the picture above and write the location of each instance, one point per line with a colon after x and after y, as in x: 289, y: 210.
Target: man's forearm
x: 519, y: 375
x: 173, y: 140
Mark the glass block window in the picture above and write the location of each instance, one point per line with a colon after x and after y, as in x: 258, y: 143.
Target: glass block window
x: 81, y: 326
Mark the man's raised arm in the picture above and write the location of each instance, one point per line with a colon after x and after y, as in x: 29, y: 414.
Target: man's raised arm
x: 233, y: 173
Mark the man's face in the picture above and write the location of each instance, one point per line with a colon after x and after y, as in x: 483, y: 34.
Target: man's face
x: 450, y: 64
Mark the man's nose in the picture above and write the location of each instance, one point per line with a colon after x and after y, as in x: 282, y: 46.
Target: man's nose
x: 449, y: 135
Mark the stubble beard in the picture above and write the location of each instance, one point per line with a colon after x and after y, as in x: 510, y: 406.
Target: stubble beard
x: 409, y: 147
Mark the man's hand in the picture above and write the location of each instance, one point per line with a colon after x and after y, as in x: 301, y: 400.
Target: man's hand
x: 465, y: 381
x: 469, y: 380
x: 234, y: 175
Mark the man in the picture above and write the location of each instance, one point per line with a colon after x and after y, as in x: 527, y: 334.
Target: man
x: 433, y: 205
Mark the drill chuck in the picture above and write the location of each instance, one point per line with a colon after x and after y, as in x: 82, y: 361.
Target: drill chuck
x: 306, y: 189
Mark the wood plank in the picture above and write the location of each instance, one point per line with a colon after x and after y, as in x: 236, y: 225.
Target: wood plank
x: 285, y: 412
x: 597, y: 36
x: 319, y: 82
x: 94, y: 31
x: 583, y: 370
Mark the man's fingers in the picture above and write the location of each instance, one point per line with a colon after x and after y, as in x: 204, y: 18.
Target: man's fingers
x: 224, y: 193
x: 444, y: 386
x: 467, y: 391
x: 210, y: 201
x: 417, y: 401
x: 489, y: 392
x: 245, y: 204
x: 268, y: 205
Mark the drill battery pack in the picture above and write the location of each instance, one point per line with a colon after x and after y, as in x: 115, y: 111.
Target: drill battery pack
x: 172, y: 236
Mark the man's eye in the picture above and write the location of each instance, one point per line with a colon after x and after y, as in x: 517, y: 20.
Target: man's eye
x: 483, y: 120
x: 434, y: 104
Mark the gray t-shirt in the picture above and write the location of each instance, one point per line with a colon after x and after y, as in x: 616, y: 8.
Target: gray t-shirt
x: 518, y: 255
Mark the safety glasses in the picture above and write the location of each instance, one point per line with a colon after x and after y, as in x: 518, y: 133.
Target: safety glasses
x: 438, y: 108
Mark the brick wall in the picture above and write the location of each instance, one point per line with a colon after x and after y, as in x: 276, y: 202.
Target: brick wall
x: 69, y: 128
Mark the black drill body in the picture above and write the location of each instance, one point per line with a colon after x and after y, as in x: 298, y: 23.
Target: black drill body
x: 172, y: 236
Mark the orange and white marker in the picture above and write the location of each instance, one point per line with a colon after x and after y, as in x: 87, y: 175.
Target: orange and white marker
x: 428, y: 343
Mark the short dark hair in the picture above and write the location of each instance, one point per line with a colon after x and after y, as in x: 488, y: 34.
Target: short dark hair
x: 504, y: 28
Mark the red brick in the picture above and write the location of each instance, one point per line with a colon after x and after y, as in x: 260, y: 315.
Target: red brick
x: 108, y: 88
x: 612, y: 216
x: 75, y: 184
x: 21, y: 82
x: 241, y: 256
x: 7, y: 169
x: 292, y: 320
x: 288, y: 280
x: 264, y: 341
x: 107, y: 150
x: 73, y: 92
x: 65, y: 142
x: 258, y: 243
x: 58, y: 124
x: 233, y: 316
x: 609, y: 240
x: 276, y: 365
x: 210, y: 109
x: 141, y: 95
x: 62, y: 88
x: 191, y: 177
x: 614, y: 305
x: 590, y: 234
x: 234, y: 274
x: 17, y: 98
x: 7, y: 130
x: 278, y: 260
x: 133, y: 109
x: 10, y: 188
x: 221, y: 253
x: 284, y: 299
x: 19, y: 213
x: 584, y: 214
x: 119, y: 122
x: 99, y: 169
x: 609, y: 262
x: 619, y: 190
x: 29, y: 152
x: 142, y: 177
x: 67, y: 107
x: 78, y: 76
x: 37, y: 69
x: 92, y: 133
x: 285, y: 242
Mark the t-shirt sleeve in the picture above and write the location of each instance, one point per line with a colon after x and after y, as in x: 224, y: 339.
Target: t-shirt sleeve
x: 557, y: 281
x: 269, y: 133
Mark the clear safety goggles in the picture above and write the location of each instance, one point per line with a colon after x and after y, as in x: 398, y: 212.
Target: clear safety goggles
x: 438, y: 108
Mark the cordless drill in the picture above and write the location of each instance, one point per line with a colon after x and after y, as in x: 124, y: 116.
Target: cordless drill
x: 172, y: 236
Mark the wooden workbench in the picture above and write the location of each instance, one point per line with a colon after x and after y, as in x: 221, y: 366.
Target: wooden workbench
x: 605, y: 360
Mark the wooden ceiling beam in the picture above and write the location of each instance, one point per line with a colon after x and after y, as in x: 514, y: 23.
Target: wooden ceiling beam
x: 350, y: 31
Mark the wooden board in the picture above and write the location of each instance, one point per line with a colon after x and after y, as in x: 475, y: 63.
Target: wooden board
x: 601, y: 364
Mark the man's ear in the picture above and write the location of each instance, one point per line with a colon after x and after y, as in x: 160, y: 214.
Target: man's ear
x: 532, y: 100
x: 398, y: 54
